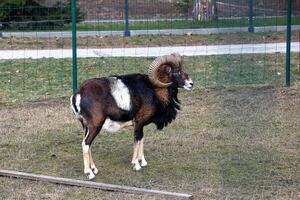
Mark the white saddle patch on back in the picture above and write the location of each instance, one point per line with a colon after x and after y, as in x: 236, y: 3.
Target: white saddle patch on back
x: 120, y: 93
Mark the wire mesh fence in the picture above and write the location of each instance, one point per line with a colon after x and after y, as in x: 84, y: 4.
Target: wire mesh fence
x: 219, y: 50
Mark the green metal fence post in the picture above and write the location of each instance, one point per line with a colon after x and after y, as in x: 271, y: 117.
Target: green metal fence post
x: 250, y: 16
x: 288, y: 45
x: 126, y: 31
x: 74, y: 48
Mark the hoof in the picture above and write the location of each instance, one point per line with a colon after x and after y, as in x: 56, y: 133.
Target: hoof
x: 90, y: 175
x: 95, y: 170
x: 144, y: 163
x: 137, y: 167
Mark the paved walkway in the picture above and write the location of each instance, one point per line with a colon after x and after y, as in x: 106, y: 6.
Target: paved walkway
x: 152, y: 51
x: 195, y: 31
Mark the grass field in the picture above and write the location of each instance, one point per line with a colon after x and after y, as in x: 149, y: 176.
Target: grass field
x: 11, y: 43
x: 227, y: 143
x: 29, y: 80
x: 240, y: 141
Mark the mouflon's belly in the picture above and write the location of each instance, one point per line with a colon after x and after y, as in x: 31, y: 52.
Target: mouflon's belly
x: 113, y: 126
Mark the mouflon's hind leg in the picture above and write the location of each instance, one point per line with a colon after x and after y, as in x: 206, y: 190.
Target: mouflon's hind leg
x: 89, y: 167
x: 86, y: 161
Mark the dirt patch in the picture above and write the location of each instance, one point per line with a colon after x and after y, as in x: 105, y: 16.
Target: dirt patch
x: 35, y: 117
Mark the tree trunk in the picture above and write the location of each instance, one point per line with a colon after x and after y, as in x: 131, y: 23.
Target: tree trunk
x: 204, y: 10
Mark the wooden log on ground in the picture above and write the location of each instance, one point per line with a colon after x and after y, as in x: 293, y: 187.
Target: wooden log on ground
x: 90, y: 184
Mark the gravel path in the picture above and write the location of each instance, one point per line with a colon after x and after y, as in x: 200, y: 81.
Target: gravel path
x: 152, y: 51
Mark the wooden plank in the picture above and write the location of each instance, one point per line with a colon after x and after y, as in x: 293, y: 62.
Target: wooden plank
x: 90, y: 184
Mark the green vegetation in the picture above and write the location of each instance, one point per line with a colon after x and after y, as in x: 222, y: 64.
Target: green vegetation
x: 27, y: 80
x: 23, y: 15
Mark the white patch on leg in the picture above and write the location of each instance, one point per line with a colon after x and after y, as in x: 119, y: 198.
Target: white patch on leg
x: 120, y: 93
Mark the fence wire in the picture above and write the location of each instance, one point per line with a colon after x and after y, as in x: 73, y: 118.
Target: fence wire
x: 217, y: 47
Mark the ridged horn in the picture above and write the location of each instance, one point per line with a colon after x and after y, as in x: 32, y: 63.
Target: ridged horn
x: 179, y: 59
x: 173, y: 60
